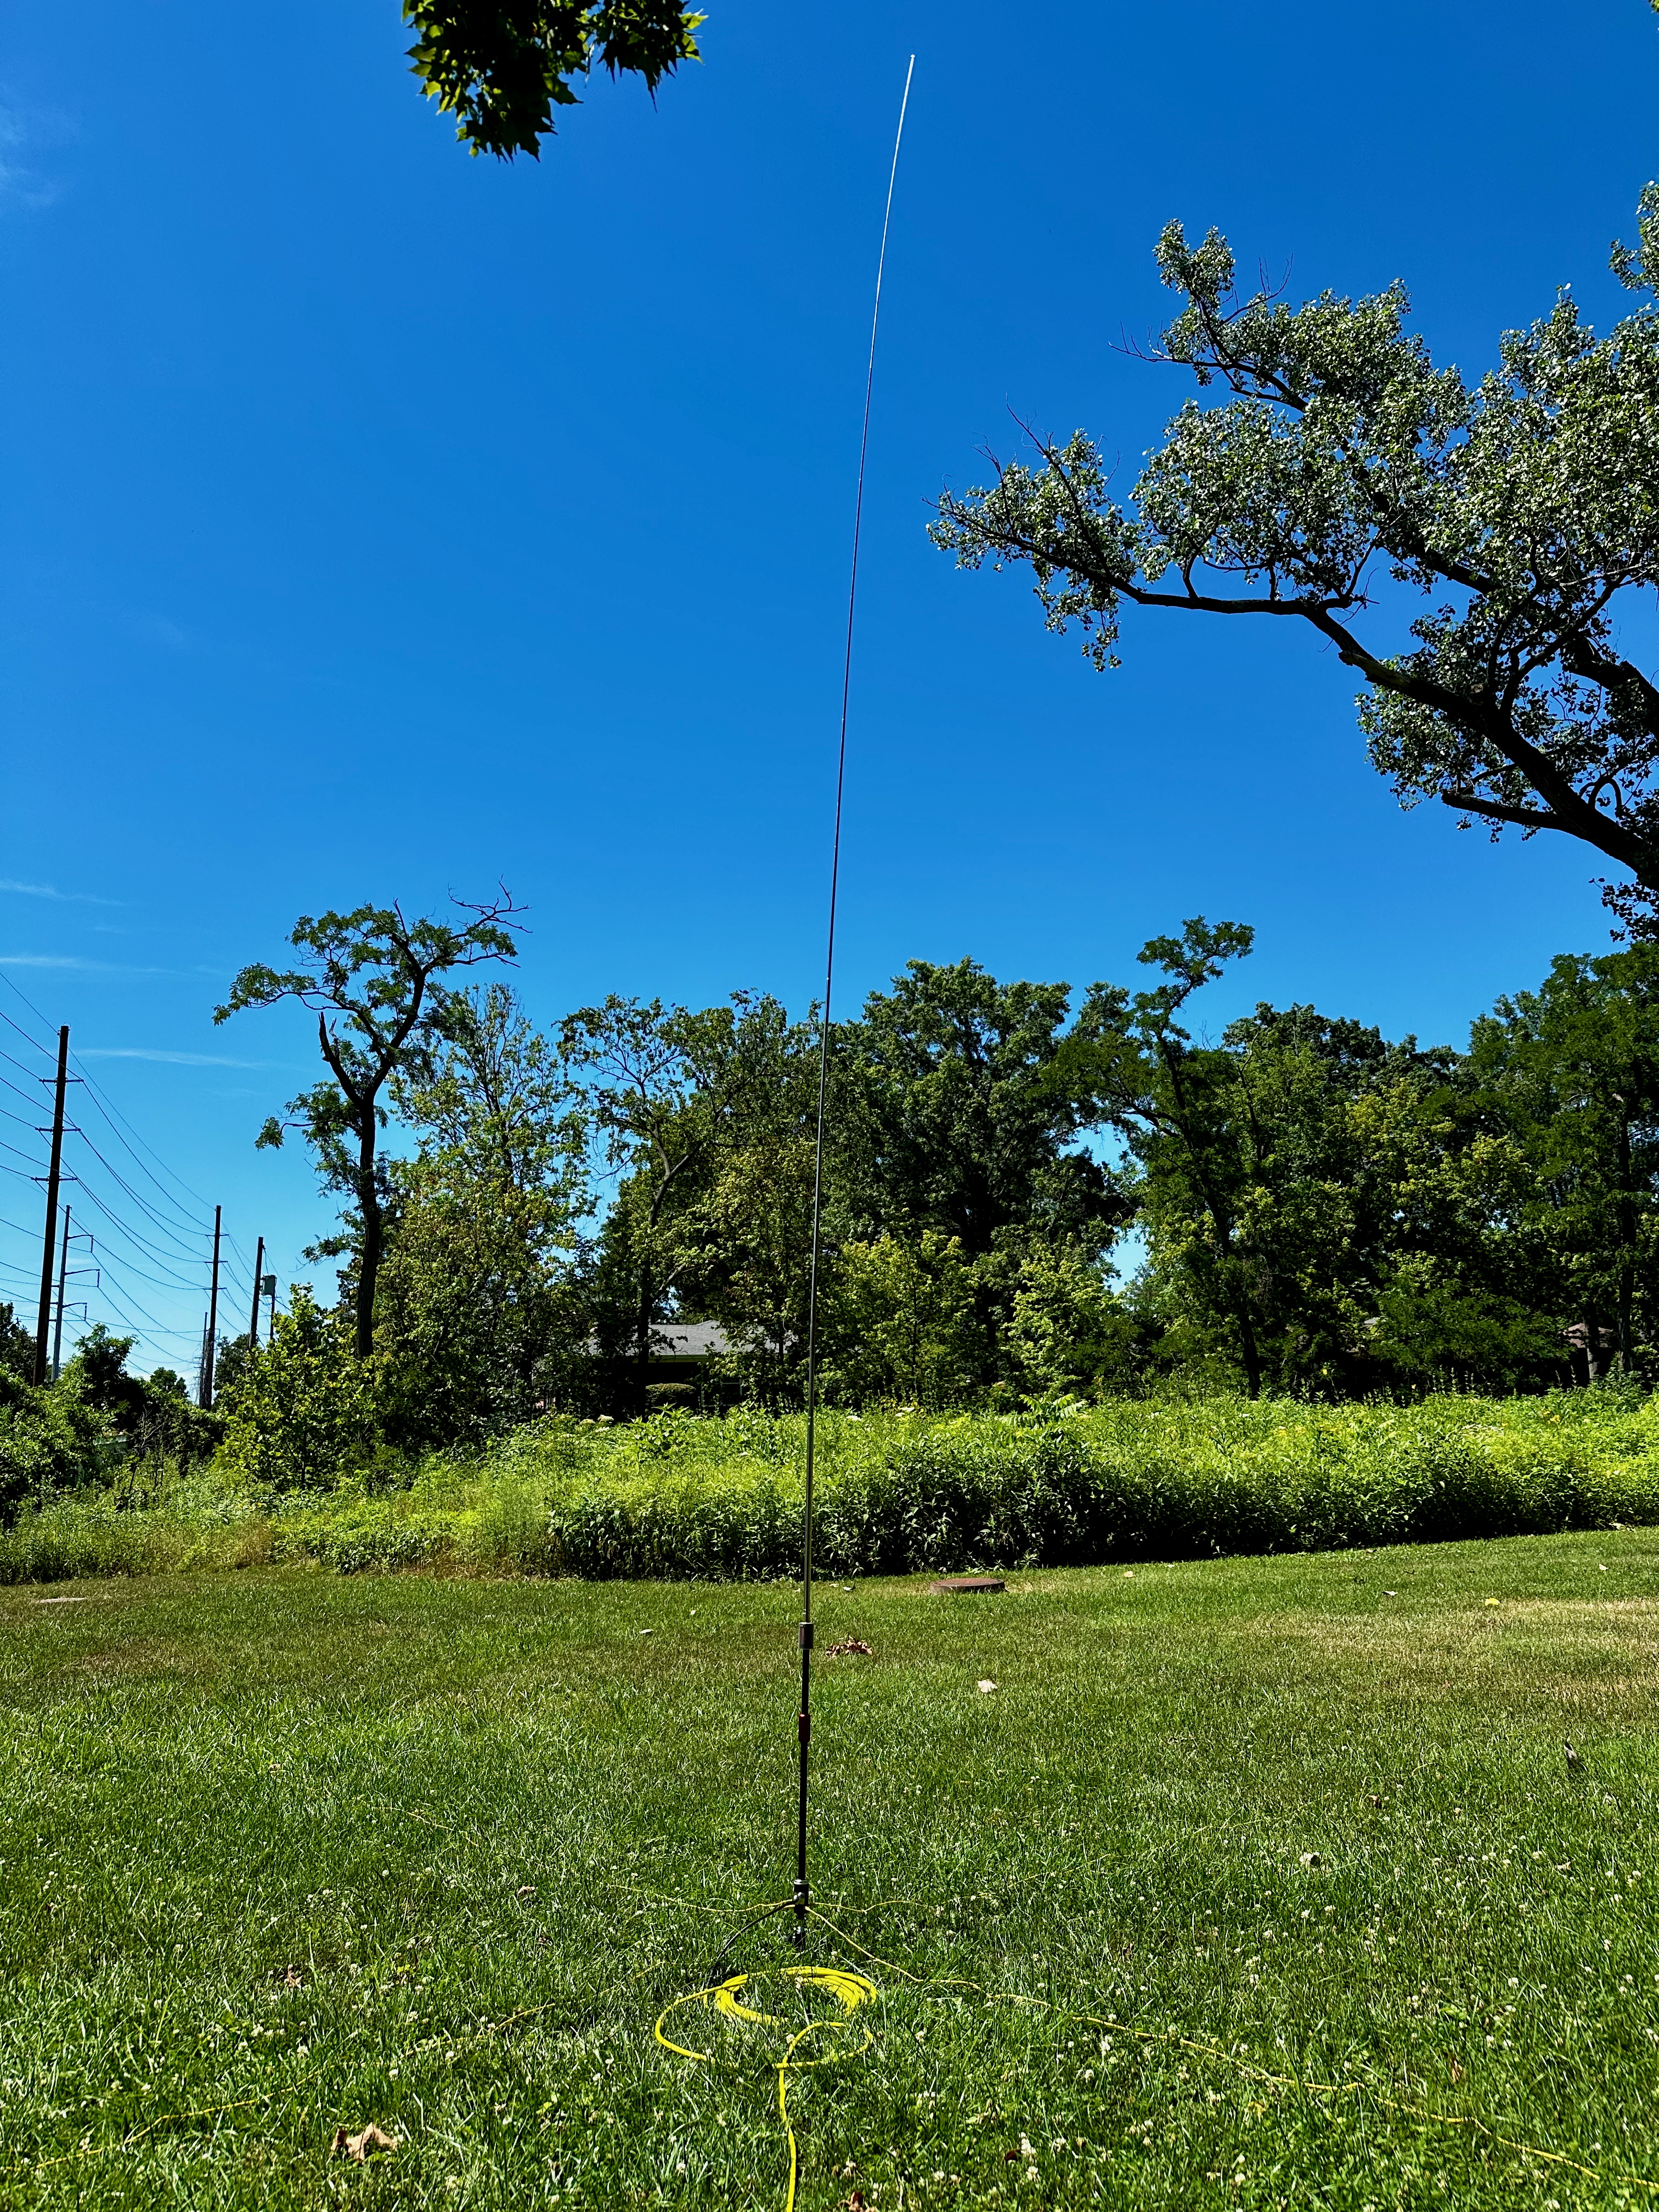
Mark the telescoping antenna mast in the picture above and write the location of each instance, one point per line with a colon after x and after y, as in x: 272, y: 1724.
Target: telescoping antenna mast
x: 803, y: 1722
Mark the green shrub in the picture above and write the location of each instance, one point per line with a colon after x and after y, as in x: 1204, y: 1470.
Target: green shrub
x: 51, y: 1440
x: 302, y: 1414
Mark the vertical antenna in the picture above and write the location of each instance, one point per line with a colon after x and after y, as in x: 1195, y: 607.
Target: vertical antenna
x: 804, y: 1724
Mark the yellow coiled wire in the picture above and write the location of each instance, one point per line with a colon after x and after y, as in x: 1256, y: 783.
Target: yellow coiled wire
x: 724, y: 1998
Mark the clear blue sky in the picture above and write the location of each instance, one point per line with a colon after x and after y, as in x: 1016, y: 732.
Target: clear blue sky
x: 378, y: 521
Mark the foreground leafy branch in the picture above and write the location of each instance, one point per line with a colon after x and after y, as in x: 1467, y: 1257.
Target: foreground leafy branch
x: 502, y: 66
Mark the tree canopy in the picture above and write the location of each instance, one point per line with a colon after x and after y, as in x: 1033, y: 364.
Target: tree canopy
x: 1342, y: 469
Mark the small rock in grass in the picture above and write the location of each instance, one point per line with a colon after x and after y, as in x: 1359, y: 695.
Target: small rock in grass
x: 988, y: 1687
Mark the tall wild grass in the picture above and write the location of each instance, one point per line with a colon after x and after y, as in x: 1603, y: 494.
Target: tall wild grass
x: 680, y: 1495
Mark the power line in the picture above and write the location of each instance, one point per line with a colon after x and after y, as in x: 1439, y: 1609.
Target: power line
x: 18, y: 1026
x: 175, y: 1238
x: 18, y: 1087
x: 161, y: 1256
x: 166, y: 1228
x: 172, y: 1228
x: 119, y: 1227
x: 120, y: 1129
x: 114, y: 1115
x: 147, y: 1326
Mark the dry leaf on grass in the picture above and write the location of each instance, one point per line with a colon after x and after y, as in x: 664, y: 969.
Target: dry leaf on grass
x: 853, y: 1643
x: 365, y: 2146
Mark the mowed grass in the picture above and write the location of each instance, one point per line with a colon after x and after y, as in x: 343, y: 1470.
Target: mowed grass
x: 285, y: 1852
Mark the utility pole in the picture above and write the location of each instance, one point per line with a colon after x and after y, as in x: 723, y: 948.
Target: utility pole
x: 211, y: 1346
x: 64, y: 1273
x: 49, y: 1251
x: 63, y: 1285
x: 253, y: 1318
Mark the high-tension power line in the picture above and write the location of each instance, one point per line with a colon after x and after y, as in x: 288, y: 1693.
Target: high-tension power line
x: 140, y: 1212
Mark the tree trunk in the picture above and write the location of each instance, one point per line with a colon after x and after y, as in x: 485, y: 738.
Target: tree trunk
x: 1626, y: 1288
x: 1237, y: 1298
x: 368, y: 1201
x: 1248, y: 1348
x: 643, y: 1348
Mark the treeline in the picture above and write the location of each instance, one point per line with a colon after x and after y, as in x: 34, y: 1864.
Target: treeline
x: 1025, y: 1196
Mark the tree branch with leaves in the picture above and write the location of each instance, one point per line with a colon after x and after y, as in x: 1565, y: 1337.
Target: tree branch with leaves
x: 1342, y: 458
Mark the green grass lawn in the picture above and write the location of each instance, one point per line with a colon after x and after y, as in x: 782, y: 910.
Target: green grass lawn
x: 285, y: 1851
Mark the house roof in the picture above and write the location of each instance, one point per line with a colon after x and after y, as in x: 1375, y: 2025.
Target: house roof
x: 687, y: 1339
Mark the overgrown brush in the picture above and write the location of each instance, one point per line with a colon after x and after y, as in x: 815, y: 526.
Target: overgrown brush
x: 680, y: 1496
x: 1123, y: 1482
